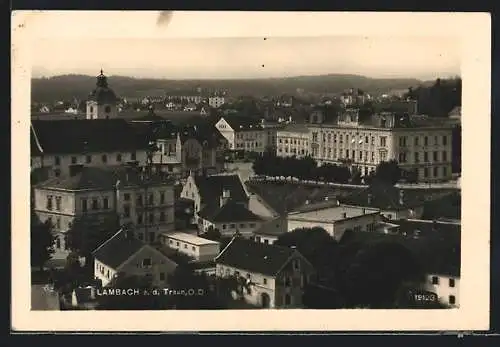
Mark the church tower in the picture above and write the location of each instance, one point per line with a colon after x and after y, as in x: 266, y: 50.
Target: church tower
x: 102, y: 102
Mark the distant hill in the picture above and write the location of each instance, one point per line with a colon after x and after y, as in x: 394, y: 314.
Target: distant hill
x: 69, y: 86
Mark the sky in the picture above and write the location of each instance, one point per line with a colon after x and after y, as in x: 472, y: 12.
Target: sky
x: 175, y: 48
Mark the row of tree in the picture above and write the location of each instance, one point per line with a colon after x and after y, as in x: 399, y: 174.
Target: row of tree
x: 307, y: 169
x: 356, y: 274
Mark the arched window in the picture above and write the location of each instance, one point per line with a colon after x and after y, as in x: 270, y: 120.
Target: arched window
x: 91, y: 109
x: 107, y: 109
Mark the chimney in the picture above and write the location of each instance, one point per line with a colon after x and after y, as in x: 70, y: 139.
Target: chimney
x: 344, y: 215
x: 364, y: 211
x: 401, y: 197
x: 224, y: 198
x: 75, y: 169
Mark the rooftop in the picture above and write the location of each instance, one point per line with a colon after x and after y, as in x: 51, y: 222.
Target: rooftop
x: 231, y: 211
x: 331, y: 214
x: 103, y: 178
x: 255, y: 257
x: 84, y: 136
x: 189, y: 238
x: 117, y: 249
x: 211, y: 187
x: 294, y: 128
x: 243, y: 123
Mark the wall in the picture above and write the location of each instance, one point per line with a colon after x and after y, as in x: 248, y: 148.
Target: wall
x: 298, y: 279
x: 245, y: 228
x: 251, y: 141
x: 266, y: 239
x: 292, y: 144
x: 103, y: 272
x: 190, y: 191
x: 160, y: 265
x: 261, y: 284
x: 226, y: 131
x: 443, y: 290
x: 199, y: 252
x: 259, y: 207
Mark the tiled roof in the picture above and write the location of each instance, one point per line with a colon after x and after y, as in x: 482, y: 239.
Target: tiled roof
x: 240, y: 122
x: 116, y: 250
x: 385, y: 197
x: 103, y: 178
x: 211, y: 188
x: 84, y: 136
x: 254, y: 256
x: 229, y: 212
x: 297, y: 128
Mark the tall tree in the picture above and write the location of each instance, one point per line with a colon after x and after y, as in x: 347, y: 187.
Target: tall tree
x: 42, y: 242
x: 388, y: 172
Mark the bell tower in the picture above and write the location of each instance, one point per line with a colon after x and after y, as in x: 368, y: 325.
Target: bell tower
x: 102, y: 102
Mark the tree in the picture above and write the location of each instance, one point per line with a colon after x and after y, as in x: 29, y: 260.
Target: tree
x: 388, y: 172
x: 212, y: 234
x: 376, y: 273
x: 42, y: 242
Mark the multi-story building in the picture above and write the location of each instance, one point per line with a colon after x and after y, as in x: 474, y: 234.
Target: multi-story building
x: 216, y: 101
x: 58, y: 144
x: 418, y: 143
x: 268, y: 276
x: 245, y: 133
x: 293, y: 140
x: 182, y: 150
x: 145, y: 202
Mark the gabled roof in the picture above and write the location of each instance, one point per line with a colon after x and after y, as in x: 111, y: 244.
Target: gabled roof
x: 229, y: 212
x: 210, y: 188
x: 84, y: 136
x: 255, y: 257
x: 103, y: 178
x: 116, y: 250
x: 242, y: 123
x: 384, y: 197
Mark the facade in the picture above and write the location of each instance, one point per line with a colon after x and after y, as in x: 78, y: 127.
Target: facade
x: 271, y: 276
x: 189, y: 149
x: 198, y: 248
x: 293, y: 140
x: 102, y: 101
x: 58, y: 144
x: 99, y: 195
x: 216, y: 101
x: 124, y: 254
x: 418, y: 144
x: 445, y: 286
x: 270, y: 231
x: 392, y: 202
x: 207, y: 191
x: 244, y: 133
x: 335, y: 220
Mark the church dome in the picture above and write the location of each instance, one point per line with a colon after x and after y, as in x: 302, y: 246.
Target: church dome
x: 102, y: 94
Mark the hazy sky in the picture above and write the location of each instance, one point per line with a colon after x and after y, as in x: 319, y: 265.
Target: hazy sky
x: 163, y: 56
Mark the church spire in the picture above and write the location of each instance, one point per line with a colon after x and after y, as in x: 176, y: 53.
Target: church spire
x: 102, y: 81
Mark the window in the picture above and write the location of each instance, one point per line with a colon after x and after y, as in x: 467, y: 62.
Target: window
x: 162, y: 198
x: 126, y: 196
x: 436, y: 140
x: 49, y: 203
x: 177, y: 244
x: 347, y: 153
x: 105, y: 203
x: 373, y: 157
x: 132, y: 156
x: 162, y: 276
x: 402, y: 141
x: 435, y: 171
x: 107, y: 109
x: 95, y: 204
x: 265, y: 280
x: 140, y: 218
x: 57, y: 161
x: 58, y: 203
x: 73, y: 160
x: 426, y: 172
x: 58, y: 223
x: 193, y: 248
x: 107, y: 274
x: 58, y: 243
x: 146, y: 262
x: 88, y: 159
x: 452, y: 282
x: 224, y: 226
x: 296, y: 265
x: 232, y: 226
x: 288, y: 281
x: 445, y: 171
x: 266, y: 241
x: 84, y: 205
x: 104, y: 158
x: 185, y: 246
x: 417, y: 159
x: 162, y: 216
x: 383, y: 141
x: 151, y: 218
x: 366, y: 139
x: 57, y: 172
x: 445, y: 157
x: 118, y: 157
x: 435, y: 156
x: 435, y: 280
x: 252, y: 225
x: 139, y: 200
x: 126, y: 211
x: 445, y: 140
x: 426, y: 141
x: 288, y: 299
x: 452, y: 299
x: 426, y: 157
x: 151, y: 199
x: 416, y: 140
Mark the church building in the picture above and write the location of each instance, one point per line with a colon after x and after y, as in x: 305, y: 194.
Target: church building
x: 102, y: 102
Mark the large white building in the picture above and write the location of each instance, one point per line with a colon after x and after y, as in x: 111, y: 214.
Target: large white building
x: 245, y: 133
x: 293, y: 140
x: 419, y: 144
x: 101, y: 194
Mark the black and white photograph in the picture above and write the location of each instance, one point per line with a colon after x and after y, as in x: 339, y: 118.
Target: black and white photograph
x: 259, y: 172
